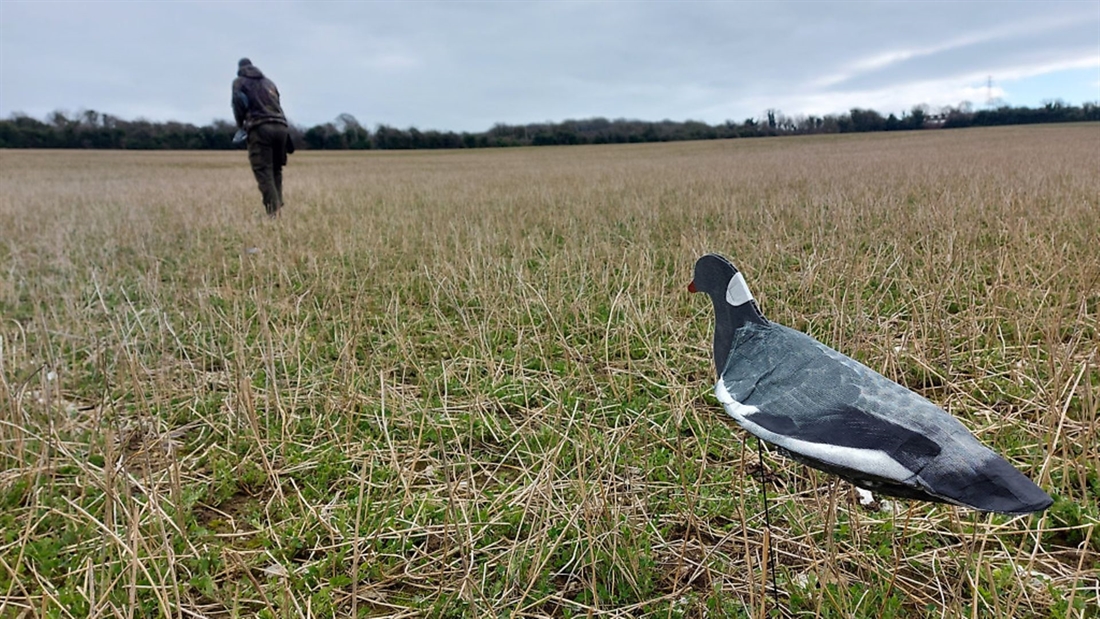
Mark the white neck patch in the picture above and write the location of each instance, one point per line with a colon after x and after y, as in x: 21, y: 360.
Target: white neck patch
x: 737, y: 293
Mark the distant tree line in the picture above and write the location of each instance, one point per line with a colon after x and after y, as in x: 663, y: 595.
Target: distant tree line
x: 90, y: 129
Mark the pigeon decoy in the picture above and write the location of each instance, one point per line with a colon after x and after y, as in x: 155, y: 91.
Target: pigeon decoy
x: 835, y: 414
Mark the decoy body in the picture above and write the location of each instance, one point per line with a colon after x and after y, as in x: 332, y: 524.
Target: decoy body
x: 836, y: 414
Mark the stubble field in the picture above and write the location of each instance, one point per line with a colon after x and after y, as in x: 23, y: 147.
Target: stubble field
x: 472, y: 384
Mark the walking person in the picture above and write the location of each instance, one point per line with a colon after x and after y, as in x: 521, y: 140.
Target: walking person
x: 258, y: 112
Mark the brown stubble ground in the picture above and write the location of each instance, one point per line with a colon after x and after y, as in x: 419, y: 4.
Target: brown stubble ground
x: 472, y: 383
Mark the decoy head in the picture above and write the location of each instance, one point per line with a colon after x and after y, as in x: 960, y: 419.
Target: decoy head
x: 733, y: 303
x: 717, y: 277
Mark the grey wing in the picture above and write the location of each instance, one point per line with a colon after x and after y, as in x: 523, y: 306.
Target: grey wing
x: 792, y: 391
x: 848, y: 428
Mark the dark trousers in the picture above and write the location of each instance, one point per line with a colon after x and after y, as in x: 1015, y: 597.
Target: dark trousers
x: 267, y: 154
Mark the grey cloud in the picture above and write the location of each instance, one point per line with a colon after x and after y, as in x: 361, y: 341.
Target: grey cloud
x: 464, y: 66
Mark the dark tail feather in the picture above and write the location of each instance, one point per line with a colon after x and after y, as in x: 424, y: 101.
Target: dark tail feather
x: 995, y: 486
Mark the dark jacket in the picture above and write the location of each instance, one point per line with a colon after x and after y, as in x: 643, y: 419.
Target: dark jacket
x: 255, y: 99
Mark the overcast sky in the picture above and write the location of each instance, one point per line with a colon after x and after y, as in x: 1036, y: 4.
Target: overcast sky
x: 464, y: 66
